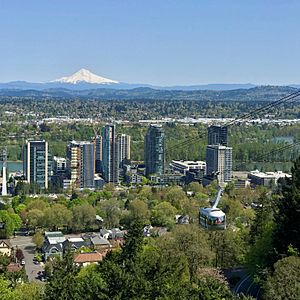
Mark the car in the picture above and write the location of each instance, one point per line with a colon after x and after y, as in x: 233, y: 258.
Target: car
x: 22, y: 262
x: 41, y: 276
x: 29, y: 233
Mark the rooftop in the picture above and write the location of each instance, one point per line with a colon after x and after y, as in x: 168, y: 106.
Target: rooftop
x: 189, y: 163
x: 59, y: 159
x: 56, y: 240
x: 13, y: 267
x: 79, y: 143
x: 7, y: 242
x: 220, y: 147
x: 278, y: 174
x: 53, y: 234
x: 54, y: 237
x: 75, y: 239
x: 89, y: 257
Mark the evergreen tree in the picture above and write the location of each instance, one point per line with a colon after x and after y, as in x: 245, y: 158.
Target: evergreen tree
x: 284, y: 282
x: 134, y: 242
x: 287, y: 217
x: 61, y: 283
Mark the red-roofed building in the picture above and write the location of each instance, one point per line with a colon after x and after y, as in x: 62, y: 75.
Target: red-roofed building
x: 85, y: 259
x: 14, y: 267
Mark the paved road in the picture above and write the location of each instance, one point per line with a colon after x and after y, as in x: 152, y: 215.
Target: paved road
x: 28, y: 248
x: 247, y: 286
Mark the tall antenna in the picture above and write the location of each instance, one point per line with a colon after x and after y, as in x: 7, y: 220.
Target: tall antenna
x: 4, y: 183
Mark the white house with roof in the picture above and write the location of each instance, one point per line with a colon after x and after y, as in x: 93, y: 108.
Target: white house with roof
x: 53, y: 245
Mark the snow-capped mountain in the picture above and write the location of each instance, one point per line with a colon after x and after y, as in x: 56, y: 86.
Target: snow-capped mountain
x: 85, y: 76
x: 86, y: 80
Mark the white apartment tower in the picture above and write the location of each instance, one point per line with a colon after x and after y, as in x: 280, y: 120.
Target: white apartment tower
x: 219, y: 162
x: 123, y: 149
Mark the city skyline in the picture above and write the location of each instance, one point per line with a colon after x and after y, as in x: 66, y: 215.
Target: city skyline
x: 184, y: 44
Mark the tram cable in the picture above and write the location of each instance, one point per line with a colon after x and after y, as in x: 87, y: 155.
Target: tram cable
x: 213, y: 218
x: 293, y: 96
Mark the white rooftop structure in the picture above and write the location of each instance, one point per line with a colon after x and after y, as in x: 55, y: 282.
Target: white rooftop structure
x: 59, y: 159
x: 56, y: 240
x: 184, y: 166
x: 75, y: 239
x: 264, y: 178
x: 277, y: 175
x: 54, y: 237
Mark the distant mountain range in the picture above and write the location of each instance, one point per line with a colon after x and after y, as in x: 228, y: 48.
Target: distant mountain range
x: 264, y: 93
x: 86, y: 80
x: 85, y: 84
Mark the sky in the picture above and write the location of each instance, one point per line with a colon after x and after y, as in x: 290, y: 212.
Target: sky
x: 161, y: 42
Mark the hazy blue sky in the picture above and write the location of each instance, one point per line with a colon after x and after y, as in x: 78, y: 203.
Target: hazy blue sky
x: 164, y: 42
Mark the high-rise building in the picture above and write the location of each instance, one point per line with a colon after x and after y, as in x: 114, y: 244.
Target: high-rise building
x: 217, y: 135
x: 98, y: 153
x: 36, y: 163
x: 109, y: 154
x: 123, y: 154
x: 81, y: 164
x: 59, y: 165
x: 219, y: 162
x: 123, y: 149
x: 155, y: 150
x: 4, y: 164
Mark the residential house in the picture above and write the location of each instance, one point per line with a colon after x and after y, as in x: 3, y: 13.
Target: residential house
x: 5, y: 247
x: 17, y: 272
x: 96, y: 241
x: 74, y: 243
x: 14, y: 267
x: 113, y: 234
x: 87, y: 258
x: 53, y: 244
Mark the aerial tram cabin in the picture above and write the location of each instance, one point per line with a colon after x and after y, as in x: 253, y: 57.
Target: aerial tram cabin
x: 213, y: 218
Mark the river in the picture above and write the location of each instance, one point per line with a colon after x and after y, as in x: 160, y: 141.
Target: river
x: 13, y: 166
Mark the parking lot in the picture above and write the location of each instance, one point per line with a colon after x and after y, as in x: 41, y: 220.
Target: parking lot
x: 28, y: 248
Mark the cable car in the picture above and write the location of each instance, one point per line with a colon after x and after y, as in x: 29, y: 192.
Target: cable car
x: 213, y: 218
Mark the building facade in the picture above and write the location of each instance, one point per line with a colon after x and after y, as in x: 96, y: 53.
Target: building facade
x: 184, y: 166
x: 154, y: 152
x: 123, y: 149
x: 217, y: 135
x: 81, y: 164
x: 59, y: 165
x: 98, y: 153
x: 36, y: 163
x: 191, y: 170
x: 266, y: 178
x: 109, y: 154
x: 219, y: 162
